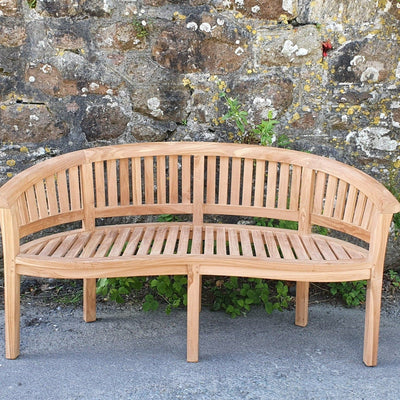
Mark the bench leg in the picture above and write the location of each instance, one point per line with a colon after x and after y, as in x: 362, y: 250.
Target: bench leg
x: 372, y: 319
x: 89, y: 300
x: 12, y: 313
x: 193, y: 314
x: 302, y: 294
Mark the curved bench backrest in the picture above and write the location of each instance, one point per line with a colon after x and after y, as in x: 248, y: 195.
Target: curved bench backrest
x: 198, y: 179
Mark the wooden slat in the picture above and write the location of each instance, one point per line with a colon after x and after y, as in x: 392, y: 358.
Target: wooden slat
x: 368, y: 211
x: 35, y: 249
x: 285, y: 246
x: 283, y: 186
x: 149, y: 180
x: 66, y: 244
x: 339, y: 251
x: 223, y: 180
x: 271, y: 184
x: 147, y: 240
x: 133, y: 241
x: 78, y: 245
x: 271, y: 244
x: 50, y: 246
x: 100, y: 186
x: 184, y: 236
x: 124, y: 181
x: 120, y: 242
x: 295, y: 188
x: 197, y: 240
x: 350, y: 204
x: 159, y: 240
x: 23, y: 209
x: 221, y: 241
x: 92, y: 244
x: 106, y: 243
x: 360, y: 207
x: 136, y: 181
x: 259, y: 184
x: 74, y: 188
x: 172, y: 238
x: 311, y: 248
x: 51, y: 195
x: 320, y: 183
x: 330, y: 196
x: 233, y: 242
x: 112, y: 184
x: 186, y: 179
x: 198, y: 191
x: 297, y: 245
x: 258, y: 244
x: 235, y: 178
x: 209, y: 241
x: 31, y: 202
x: 161, y: 180
x: 324, y: 248
x: 247, y: 186
x: 173, y: 179
x: 211, y: 179
x: 245, y: 242
x: 340, y: 199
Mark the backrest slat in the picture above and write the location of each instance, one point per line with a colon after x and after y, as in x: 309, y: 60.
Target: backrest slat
x: 295, y: 188
x: 124, y: 181
x: 41, y: 199
x: 186, y: 179
x: 62, y: 189
x: 271, y: 184
x: 100, y: 191
x: 112, y: 183
x: 51, y: 195
x: 211, y: 179
x: 74, y: 188
x: 136, y: 181
x: 173, y: 179
x: 223, y: 180
x: 32, y: 206
x: 320, y: 184
x: 350, y: 204
x: 235, y: 179
x: 330, y: 196
x: 283, y: 186
x: 340, y: 199
x: 161, y: 181
x: 247, y: 184
x: 360, y: 207
x: 149, y: 180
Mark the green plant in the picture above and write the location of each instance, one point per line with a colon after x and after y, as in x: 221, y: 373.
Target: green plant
x: 167, y: 218
x: 394, y: 278
x: 353, y: 293
x: 141, y: 27
x: 31, y: 3
x: 172, y: 289
x: 236, y: 296
x: 264, y: 131
x: 116, y: 288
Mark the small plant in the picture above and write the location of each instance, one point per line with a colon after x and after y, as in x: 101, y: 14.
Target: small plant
x: 31, y: 3
x: 394, y: 279
x: 264, y: 131
x: 116, y: 288
x: 167, y: 218
x: 236, y: 296
x: 353, y: 293
x: 141, y: 27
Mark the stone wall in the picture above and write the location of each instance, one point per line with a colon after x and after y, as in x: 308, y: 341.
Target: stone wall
x: 80, y: 73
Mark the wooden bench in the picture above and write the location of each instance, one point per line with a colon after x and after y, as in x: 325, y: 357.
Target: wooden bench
x: 197, y: 180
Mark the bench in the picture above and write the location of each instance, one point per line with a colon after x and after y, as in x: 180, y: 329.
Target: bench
x: 202, y: 181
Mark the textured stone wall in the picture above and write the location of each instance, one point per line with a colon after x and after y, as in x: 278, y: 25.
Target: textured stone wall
x: 79, y: 73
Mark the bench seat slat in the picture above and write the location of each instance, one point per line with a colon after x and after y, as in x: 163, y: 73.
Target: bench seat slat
x: 171, y: 240
x: 133, y: 242
x: 65, y: 246
x: 159, y: 240
x: 197, y: 240
x: 120, y: 242
x: 105, y: 246
x: 146, y: 242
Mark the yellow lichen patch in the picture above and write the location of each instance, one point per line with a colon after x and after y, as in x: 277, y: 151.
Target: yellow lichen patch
x: 396, y: 164
x: 47, y: 149
x: 24, y: 149
x: 342, y: 39
x: 222, y: 85
x: 296, y: 117
x: 3, y: 107
x: 9, y: 174
x: 239, y: 15
x: 186, y: 82
x: 10, y: 163
x: 307, y: 88
x: 178, y: 15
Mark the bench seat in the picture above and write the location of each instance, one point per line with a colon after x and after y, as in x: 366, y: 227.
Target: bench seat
x: 107, y: 251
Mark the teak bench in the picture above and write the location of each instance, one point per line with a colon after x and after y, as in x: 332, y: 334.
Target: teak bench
x: 197, y: 179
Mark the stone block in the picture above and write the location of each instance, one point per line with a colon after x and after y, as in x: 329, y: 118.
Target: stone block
x: 289, y: 47
x: 12, y: 32
x: 104, y: 122
x: 48, y: 79
x: 72, y: 8
x: 22, y: 123
x: 8, y: 7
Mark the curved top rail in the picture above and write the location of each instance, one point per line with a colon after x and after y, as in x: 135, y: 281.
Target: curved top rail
x: 381, y: 197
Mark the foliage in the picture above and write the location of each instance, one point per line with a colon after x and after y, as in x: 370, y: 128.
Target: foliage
x: 394, y: 278
x: 353, y: 293
x: 264, y: 131
x: 116, y: 288
x: 236, y: 296
x: 31, y: 3
x: 141, y: 27
x: 167, y: 218
x: 276, y: 223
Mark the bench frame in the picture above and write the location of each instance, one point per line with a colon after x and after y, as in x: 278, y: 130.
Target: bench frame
x: 196, y: 179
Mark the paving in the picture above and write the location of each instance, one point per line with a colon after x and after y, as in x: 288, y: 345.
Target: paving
x: 130, y: 354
